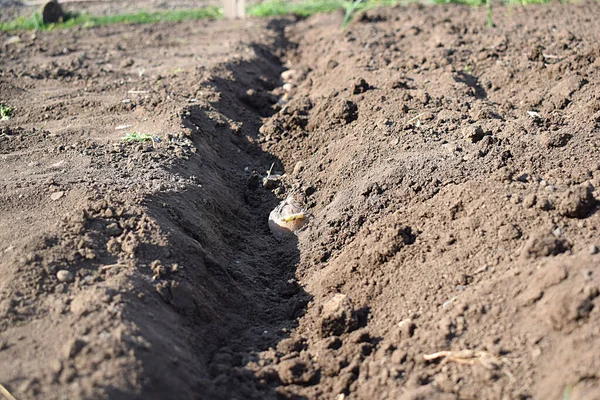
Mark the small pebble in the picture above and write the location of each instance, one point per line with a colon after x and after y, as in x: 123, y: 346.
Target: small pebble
x: 557, y: 232
x: 288, y: 75
x: 12, y: 40
x: 594, y: 249
x: 64, y: 276
x: 56, y: 195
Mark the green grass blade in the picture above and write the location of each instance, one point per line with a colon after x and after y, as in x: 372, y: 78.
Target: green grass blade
x: 86, y: 20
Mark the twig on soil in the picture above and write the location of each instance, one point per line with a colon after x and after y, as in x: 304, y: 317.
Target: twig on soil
x: 415, y: 118
x: 6, y: 393
x: 462, y: 357
x: 107, y: 267
x: 450, y: 301
x: 472, y: 357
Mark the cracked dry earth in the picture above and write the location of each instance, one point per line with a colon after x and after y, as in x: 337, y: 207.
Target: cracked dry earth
x: 450, y: 171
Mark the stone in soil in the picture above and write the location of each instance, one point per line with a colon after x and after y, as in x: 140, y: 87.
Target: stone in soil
x: 64, y: 276
x: 56, y: 195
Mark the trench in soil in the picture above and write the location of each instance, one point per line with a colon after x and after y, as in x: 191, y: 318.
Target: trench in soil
x: 240, y: 297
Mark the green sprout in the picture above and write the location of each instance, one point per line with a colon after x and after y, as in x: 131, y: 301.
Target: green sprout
x: 306, y: 8
x: 490, y: 22
x: 137, y: 137
x: 567, y: 392
x: 5, y: 112
x: 350, y: 13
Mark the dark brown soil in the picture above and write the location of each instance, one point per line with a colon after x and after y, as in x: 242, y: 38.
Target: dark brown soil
x: 450, y: 170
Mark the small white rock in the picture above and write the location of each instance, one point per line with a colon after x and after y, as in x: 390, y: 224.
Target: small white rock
x: 288, y: 75
x: 64, y: 276
x: 56, y: 195
x: 12, y: 40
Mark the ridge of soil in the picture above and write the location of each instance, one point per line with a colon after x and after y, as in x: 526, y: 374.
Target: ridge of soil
x: 165, y: 241
x: 450, y: 172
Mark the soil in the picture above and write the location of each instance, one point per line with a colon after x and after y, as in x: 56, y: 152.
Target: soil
x: 447, y: 170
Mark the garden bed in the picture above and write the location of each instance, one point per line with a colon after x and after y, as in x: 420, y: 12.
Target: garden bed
x: 447, y: 170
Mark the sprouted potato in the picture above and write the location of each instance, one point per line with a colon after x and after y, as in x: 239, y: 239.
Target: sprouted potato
x: 287, y: 217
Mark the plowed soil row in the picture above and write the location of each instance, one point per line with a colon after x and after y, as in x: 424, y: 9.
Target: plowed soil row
x: 449, y: 170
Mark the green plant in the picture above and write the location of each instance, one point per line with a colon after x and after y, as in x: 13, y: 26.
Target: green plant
x: 137, y: 137
x: 305, y: 8
x: 356, y: 7
x: 350, y: 13
x: 5, y: 112
x: 86, y: 20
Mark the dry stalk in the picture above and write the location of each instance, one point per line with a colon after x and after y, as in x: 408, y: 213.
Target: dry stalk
x: 6, y: 393
x: 472, y: 357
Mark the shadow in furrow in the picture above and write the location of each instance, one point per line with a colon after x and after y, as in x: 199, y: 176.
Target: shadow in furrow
x: 237, y: 295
